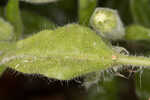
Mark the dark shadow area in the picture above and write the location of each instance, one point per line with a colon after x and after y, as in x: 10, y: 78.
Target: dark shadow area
x: 17, y: 86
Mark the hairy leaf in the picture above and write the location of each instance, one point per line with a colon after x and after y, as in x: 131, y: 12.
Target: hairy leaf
x: 64, y: 53
x: 6, y: 30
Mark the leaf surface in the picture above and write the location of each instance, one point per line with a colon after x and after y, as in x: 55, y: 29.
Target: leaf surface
x: 64, y: 53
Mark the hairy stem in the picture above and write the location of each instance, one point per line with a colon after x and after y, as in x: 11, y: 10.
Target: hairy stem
x: 133, y: 60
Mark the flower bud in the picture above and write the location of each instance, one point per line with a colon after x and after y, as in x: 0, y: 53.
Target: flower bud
x: 107, y: 23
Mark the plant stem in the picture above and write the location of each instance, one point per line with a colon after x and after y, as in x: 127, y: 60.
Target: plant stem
x: 133, y: 60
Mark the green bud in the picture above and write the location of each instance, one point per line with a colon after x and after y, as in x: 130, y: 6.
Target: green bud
x: 6, y: 30
x: 107, y: 23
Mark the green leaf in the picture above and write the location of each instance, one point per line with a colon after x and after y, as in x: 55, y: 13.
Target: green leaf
x: 85, y: 10
x: 13, y: 16
x: 34, y: 23
x: 6, y: 30
x: 64, y: 53
x: 5, y: 47
x: 139, y: 37
x: 141, y: 12
x: 137, y: 33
